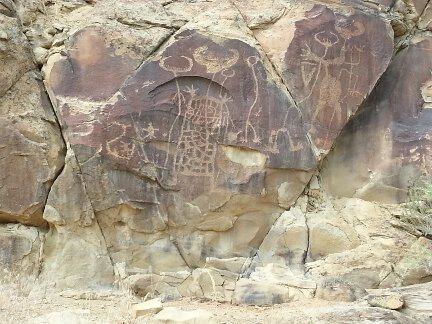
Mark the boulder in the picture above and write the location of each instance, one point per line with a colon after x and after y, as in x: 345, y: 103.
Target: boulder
x: 336, y: 290
x: 165, y: 284
x: 417, y: 300
x: 173, y: 315
x: 74, y: 234
x: 416, y: 265
x: 252, y: 292
x: 31, y: 149
x: 389, y: 301
x: 212, y: 284
x: 281, y: 275
x: 287, y: 242
x: 377, y: 246
x: 146, y: 308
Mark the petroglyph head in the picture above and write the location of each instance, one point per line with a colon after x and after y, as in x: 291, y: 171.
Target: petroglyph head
x: 348, y: 28
x: 175, y: 65
x: 326, y: 38
x: 215, y: 61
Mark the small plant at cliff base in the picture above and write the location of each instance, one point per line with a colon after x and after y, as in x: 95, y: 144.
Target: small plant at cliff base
x: 13, y: 291
x: 419, y: 206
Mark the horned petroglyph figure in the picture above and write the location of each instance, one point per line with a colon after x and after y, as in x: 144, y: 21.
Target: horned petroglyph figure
x: 318, y: 70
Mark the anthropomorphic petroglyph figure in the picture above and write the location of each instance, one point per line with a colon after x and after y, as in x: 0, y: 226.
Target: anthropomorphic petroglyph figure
x: 205, y: 118
x: 250, y: 133
x: 202, y: 114
x: 317, y: 73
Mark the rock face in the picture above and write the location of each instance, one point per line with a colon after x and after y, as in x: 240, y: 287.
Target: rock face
x: 183, y: 148
x: 395, y: 121
x: 31, y: 146
x: 19, y: 250
x: 322, y: 63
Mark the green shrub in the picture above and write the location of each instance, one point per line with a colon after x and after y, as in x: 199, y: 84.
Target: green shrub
x: 419, y: 206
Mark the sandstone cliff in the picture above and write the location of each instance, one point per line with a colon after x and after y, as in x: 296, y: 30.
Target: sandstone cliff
x: 243, y: 151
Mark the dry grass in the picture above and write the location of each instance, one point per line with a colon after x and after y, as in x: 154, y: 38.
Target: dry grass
x: 21, y: 300
x: 419, y: 206
x: 14, y: 289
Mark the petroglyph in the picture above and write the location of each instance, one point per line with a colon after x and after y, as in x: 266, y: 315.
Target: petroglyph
x: 254, y: 108
x: 316, y: 69
x: 164, y: 64
x: 201, y: 114
x: 272, y: 146
x: 147, y: 83
x: 332, y: 63
x: 206, y: 117
x: 178, y: 98
x: 171, y: 118
x: 120, y: 147
x: 215, y: 62
x: 150, y: 131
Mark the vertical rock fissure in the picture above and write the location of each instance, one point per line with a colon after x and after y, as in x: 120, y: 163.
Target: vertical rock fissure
x: 56, y: 176
x: 176, y: 245
x: 280, y: 79
x: 67, y: 147
x: 93, y: 209
x: 423, y: 11
x: 275, y: 71
x: 246, y: 271
x: 306, y: 254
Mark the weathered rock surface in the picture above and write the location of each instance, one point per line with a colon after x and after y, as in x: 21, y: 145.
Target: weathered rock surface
x: 262, y: 293
x: 389, y: 301
x: 344, y: 314
x: 173, y: 315
x: 287, y: 242
x: 74, y: 233
x: 66, y: 317
x: 322, y: 61
x: 20, y: 250
x: 363, y: 247
x: 396, y: 122
x: 149, y: 307
x: 186, y: 159
x: 210, y: 116
x: 31, y: 146
x: 15, y: 52
x: 416, y: 265
x: 418, y: 301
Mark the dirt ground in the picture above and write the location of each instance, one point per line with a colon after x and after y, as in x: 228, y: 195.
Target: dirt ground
x: 23, y: 301
x: 114, y: 308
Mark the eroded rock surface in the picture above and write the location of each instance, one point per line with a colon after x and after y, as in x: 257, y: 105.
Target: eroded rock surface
x: 321, y: 53
x: 31, y: 145
x: 396, y: 122
x: 194, y: 134
x: 173, y: 153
